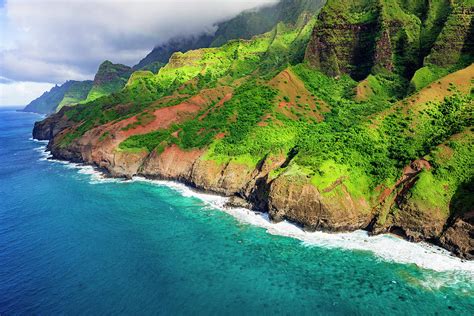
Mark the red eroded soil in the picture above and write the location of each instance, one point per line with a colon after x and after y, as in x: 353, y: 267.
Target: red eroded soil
x: 163, y: 119
x: 167, y: 116
x: 226, y: 98
x: 291, y: 87
x: 220, y: 136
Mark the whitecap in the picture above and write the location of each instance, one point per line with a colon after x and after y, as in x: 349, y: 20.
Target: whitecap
x: 38, y: 141
x: 386, y: 247
x: 44, y: 153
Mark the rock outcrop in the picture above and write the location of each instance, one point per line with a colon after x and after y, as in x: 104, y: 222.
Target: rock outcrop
x: 294, y: 198
x: 363, y: 37
x: 456, y: 40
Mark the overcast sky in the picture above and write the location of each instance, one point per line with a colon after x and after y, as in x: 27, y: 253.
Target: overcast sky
x: 46, y: 42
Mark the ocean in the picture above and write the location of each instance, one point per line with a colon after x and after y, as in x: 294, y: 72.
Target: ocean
x: 73, y: 242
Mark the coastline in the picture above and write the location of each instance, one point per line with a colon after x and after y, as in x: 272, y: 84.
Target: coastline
x: 387, y: 247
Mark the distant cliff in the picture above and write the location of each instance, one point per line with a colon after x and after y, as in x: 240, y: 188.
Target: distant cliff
x: 244, y: 26
x: 109, y: 78
x: 66, y: 94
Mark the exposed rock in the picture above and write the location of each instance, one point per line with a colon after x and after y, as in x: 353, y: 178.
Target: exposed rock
x: 363, y: 37
x: 228, y: 179
x: 239, y: 202
x: 459, y: 238
x: 294, y: 198
x: 173, y: 163
x: 49, y: 127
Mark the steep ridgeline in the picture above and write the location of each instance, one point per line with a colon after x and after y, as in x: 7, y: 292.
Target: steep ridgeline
x: 109, y: 78
x: 113, y: 77
x: 362, y: 37
x: 252, y: 120
x: 244, y: 26
x: 77, y: 93
x: 162, y: 53
x: 69, y: 93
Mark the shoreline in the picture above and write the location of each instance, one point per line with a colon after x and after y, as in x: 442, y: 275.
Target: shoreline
x: 386, y: 247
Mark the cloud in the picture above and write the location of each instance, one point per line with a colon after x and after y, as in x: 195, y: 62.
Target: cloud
x: 21, y: 93
x: 52, y: 40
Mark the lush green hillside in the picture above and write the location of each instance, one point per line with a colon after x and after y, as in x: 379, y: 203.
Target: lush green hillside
x: 49, y: 101
x: 244, y: 26
x: 76, y: 93
x: 109, y: 78
x: 363, y: 37
x: 198, y: 69
x: 314, y: 121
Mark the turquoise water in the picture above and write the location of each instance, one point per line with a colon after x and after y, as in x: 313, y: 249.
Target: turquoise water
x: 69, y: 245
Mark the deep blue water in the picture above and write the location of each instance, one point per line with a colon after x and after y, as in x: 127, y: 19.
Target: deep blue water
x: 70, y: 246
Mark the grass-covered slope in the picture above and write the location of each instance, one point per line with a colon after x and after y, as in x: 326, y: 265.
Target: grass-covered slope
x: 362, y: 37
x: 76, y: 93
x: 49, y: 101
x: 244, y: 26
x: 109, y: 78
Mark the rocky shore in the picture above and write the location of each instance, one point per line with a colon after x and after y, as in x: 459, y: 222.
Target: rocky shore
x: 284, y: 197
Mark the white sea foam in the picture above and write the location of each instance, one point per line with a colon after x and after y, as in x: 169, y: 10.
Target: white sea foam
x: 386, y: 247
x: 45, y: 155
x: 38, y: 141
x: 96, y: 176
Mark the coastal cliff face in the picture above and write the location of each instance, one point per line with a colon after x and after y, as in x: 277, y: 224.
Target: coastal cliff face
x: 360, y: 37
x: 309, y: 142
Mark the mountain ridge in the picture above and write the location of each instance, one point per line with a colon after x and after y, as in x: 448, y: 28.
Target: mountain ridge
x: 243, y: 26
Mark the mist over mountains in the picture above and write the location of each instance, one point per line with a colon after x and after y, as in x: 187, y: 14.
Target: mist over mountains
x: 250, y: 22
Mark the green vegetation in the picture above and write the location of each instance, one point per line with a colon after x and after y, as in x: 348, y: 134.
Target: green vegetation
x: 451, y: 179
x: 361, y: 150
x: 49, y: 101
x: 110, y: 78
x: 426, y: 75
x: 343, y: 121
x: 148, y: 142
x: 75, y: 94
